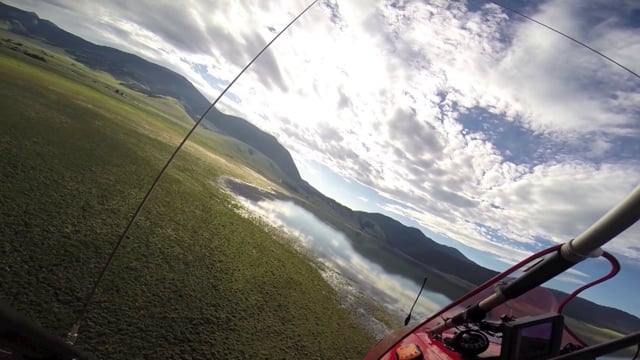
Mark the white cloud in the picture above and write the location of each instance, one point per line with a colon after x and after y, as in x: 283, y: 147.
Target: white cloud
x: 376, y: 92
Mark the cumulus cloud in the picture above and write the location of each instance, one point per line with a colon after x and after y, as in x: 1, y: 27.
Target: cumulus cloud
x: 387, y: 94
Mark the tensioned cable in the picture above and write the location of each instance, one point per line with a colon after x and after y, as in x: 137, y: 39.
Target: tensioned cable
x: 565, y: 35
x: 74, y: 330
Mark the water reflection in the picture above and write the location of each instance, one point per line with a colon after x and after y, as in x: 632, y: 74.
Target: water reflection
x: 332, y: 248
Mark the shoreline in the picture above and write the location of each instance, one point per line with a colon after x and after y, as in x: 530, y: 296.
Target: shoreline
x: 360, y: 306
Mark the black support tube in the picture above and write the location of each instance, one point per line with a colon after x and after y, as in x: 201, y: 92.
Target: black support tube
x: 605, y: 348
x: 547, y: 269
x: 586, y: 244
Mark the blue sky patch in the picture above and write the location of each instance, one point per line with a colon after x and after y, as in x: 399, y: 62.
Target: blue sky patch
x: 514, y: 142
x: 520, y: 145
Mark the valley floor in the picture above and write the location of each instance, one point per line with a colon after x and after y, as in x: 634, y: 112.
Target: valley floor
x: 194, y: 279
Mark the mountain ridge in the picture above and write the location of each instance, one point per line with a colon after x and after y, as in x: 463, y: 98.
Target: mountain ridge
x: 151, y: 79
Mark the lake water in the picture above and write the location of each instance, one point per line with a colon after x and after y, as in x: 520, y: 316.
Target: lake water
x: 350, y: 273
x: 347, y: 271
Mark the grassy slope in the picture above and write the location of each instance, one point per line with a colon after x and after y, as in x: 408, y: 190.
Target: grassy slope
x: 194, y: 279
x: 595, y: 335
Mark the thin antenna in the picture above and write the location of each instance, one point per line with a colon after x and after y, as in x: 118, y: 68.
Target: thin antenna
x: 73, y: 334
x: 408, y: 318
x: 566, y: 36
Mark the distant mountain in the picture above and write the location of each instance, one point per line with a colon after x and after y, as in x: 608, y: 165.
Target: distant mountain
x: 248, y: 133
x: 149, y: 78
x: 409, y: 239
x: 132, y: 70
x: 415, y: 245
x: 600, y: 315
x: 398, y: 248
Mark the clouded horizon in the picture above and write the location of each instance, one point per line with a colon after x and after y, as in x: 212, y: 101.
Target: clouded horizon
x: 482, y: 127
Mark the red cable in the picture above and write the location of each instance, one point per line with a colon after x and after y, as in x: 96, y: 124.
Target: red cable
x: 615, y: 268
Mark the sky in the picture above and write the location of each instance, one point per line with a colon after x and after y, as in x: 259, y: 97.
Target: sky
x: 488, y: 132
